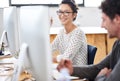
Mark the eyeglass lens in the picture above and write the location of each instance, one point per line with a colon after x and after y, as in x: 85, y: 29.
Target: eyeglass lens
x: 63, y: 12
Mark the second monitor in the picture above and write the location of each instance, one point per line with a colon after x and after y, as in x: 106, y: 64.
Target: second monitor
x: 34, y: 31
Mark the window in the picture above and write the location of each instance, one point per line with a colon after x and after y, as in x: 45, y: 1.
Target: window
x: 35, y: 2
x: 4, y: 3
x: 93, y: 3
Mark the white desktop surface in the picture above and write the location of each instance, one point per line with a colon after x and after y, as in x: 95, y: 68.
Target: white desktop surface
x: 86, y: 30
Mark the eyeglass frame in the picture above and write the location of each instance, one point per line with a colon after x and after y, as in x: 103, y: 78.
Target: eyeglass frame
x: 66, y: 13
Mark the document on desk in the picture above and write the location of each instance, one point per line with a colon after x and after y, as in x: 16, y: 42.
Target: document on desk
x: 6, y: 73
x: 56, y: 75
x: 5, y: 78
x: 11, y: 60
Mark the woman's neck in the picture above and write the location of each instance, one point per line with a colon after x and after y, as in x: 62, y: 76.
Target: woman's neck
x: 69, y: 28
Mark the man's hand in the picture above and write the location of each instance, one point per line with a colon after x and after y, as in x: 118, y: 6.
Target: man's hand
x: 65, y: 63
x: 105, y: 71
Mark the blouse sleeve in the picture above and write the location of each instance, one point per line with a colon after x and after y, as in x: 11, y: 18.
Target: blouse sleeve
x: 55, y: 43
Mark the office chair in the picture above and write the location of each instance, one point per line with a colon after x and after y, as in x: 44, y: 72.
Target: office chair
x: 91, y: 53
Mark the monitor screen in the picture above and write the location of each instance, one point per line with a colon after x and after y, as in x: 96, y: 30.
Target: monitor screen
x: 34, y: 32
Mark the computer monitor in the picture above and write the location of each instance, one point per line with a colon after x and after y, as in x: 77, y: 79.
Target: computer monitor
x: 2, y: 38
x: 3, y: 42
x: 34, y: 32
x: 10, y: 25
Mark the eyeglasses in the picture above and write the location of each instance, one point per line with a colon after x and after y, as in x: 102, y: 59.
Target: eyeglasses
x: 66, y: 13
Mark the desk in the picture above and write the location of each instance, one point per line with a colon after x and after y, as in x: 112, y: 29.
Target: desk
x: 25, y: 76
x: 5, y: 56
x: 7, y: 68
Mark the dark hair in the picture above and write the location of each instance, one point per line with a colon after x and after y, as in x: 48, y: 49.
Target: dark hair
x: 110, y: 8
x: 72, y: 4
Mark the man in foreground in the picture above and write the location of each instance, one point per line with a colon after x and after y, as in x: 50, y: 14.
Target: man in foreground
x: 108, y: 69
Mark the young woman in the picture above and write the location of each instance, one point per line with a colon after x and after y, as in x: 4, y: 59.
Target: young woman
x: 71, y: 41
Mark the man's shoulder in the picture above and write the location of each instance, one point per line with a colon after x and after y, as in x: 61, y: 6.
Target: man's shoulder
x: 117, y: 42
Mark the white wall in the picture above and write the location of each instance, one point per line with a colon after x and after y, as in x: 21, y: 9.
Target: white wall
x: 87, y: 17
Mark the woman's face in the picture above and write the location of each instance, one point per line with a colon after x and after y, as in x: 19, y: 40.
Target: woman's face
x: 66, y: 14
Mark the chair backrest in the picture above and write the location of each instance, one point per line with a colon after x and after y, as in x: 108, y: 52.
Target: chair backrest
x: 91, y: 53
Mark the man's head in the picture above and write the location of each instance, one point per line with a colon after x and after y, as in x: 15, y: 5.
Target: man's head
x: 111, y: 17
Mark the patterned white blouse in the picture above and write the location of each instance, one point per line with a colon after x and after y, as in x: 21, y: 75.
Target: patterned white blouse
x: 72, y: 45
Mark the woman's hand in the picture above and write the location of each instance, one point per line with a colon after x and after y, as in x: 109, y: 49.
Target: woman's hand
x: 54, y: 59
